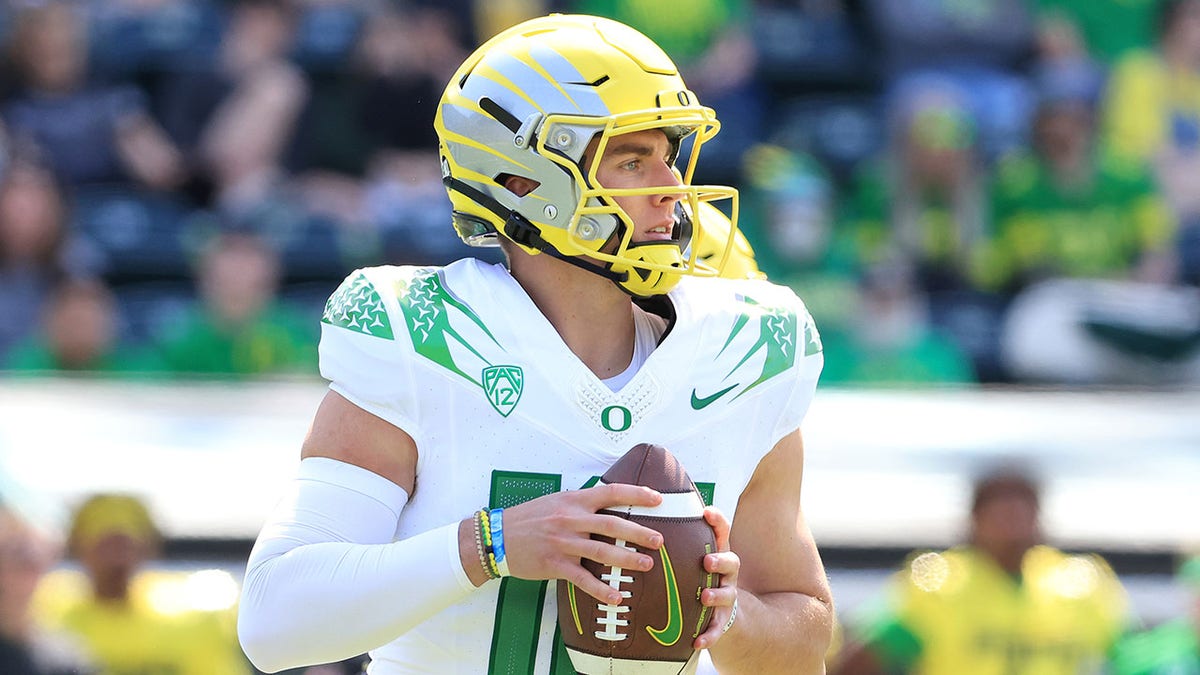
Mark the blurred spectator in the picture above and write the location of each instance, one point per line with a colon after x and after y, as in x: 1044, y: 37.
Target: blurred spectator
x: 366, y: 153
x: 384, y: 99
x: 80, y: 334
x: 1154, y: 94
x: 1107, y: 29
x: 235, y: 119
x: 787, y: 207
x: 1172, y: 648
x: 88, y: 133
x: 147, y: 42
x: 888, y: 340
x: 130, y: 618
x: 33, y: 248
x: 1063, y: 53
x: 240, y: 327
x: 925, y: 202
x: 26, y: 648
x: 917, y: 34
x: 1152, y: 113
x: 983, y: 46
x: 1001, y: 603
x: 812, y: 45
x: 1069, y: 209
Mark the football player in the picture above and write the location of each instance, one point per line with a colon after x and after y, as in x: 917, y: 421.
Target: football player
x: 1002, y: 602
x: 463, y: 395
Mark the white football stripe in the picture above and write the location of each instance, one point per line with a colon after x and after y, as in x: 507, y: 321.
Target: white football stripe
x: 674, y: 505
x: 590, y: 663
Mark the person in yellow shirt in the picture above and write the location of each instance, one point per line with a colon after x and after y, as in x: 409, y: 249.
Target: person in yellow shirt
x: 130, y: 618
x: 1004, y: 603
x: 1153, y: 96
x: 1152, y: 113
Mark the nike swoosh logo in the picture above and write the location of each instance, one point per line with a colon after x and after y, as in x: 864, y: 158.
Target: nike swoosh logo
x: 670, y: 633
x: 701, y: 403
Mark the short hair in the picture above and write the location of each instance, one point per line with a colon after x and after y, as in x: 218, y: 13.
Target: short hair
x: 1004, y: 482
x: 104, y: 514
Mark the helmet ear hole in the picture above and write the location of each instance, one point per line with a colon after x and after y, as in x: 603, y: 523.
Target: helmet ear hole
x: 518, y: 185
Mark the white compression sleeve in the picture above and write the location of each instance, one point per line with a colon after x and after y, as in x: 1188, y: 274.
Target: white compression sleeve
x: 325, y: 582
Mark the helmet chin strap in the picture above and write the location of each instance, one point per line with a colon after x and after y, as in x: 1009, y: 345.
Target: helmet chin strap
x: 520, y: 230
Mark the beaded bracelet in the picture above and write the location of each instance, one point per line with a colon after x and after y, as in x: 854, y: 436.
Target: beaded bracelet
x: 483, y: 560
x: 498, y: 557
x: 490, y: 560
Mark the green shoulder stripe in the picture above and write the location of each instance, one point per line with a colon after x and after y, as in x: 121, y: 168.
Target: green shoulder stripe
x: 812, y: 339
x: 356, y: 306
x: 777, y: 333
x: 425, y: 302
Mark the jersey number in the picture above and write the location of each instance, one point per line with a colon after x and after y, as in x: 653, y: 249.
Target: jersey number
x: 519, y: 607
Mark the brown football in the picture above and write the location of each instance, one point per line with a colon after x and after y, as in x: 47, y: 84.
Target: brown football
x: 652, y: 630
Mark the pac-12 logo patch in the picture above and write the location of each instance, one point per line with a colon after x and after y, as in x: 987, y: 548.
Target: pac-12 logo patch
x: 503, y: 386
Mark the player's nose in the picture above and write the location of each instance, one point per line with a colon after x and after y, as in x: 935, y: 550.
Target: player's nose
x: 667, y: 176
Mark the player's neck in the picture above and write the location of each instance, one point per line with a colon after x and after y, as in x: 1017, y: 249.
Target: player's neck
x: 592, y: 316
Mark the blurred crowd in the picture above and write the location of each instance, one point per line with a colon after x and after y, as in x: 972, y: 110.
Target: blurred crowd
x: 964, y: 192
x: 1005, y: 600
x: 101, y: 600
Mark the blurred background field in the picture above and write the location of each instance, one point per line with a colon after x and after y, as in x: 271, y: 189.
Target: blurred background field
x: 989, y: 206
x: 887, y: 471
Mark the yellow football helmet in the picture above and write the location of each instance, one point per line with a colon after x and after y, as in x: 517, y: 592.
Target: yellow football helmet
x: 528, y: 103
x: 725, y: 250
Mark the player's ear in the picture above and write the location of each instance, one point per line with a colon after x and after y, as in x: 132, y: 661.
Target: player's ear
x: 519, y: 185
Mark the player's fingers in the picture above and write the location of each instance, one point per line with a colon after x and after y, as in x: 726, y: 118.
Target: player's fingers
x: 725, y: 563
x: 621, y: 494
x: 723, y: 600
x: 616, y: 527
x: 720, y: 525
x: 610, y: 555
x: 716, y: 628
x: 597, y: 589
x: 721, y: 596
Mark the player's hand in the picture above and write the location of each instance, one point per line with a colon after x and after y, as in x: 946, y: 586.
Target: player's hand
x: 545, y: 538
x: 726, y: 563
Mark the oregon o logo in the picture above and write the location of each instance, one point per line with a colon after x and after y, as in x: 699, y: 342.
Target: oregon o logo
x: 616, y: 418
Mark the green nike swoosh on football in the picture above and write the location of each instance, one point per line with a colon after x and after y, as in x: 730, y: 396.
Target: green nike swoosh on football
x: 670, y: 633
x: 699, y: 403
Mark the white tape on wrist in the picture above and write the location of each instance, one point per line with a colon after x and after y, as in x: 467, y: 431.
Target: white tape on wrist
x: 732, y: 618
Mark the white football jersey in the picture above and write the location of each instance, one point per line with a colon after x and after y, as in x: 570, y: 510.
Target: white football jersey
x: 502, y: 412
